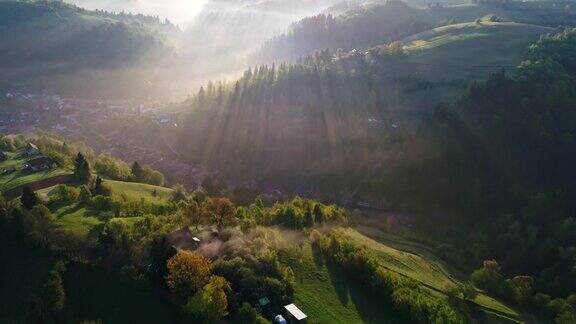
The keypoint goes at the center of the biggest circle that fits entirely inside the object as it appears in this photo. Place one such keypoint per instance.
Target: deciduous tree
(187, 272)
(211, 301)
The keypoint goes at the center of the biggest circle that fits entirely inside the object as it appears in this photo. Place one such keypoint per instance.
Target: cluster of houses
(39, 162)
(183, 239)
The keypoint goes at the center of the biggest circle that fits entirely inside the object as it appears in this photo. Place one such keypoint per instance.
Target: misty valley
(288, 161)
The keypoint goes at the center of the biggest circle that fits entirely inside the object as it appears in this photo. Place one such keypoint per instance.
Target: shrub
(112, 168)
(64, 193)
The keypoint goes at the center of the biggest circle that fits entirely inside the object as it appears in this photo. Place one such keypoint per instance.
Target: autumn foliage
(187, 272)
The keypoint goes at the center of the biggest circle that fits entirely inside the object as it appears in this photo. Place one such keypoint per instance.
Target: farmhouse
(183, 239)
(31, 150)
(38, 164)
(295, 315)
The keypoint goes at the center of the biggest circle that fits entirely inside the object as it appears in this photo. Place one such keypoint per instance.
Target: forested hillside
(510, 143)
(499, 160)
(314, 117)
(55, 33)
(359, 27)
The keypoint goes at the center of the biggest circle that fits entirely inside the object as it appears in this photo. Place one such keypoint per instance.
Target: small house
(3, 156)
(38, 164)
(264, 307)
(183, 239)
(262, 304)
(295, 315)
(31, 150)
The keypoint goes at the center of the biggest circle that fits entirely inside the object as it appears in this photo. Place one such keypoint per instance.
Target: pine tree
(318, 214)
(137, 171)
(82, 168)
(29, 198)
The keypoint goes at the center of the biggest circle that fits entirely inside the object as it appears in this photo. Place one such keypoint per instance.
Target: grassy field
(419, 263)
(13, 160)
(83, 221)
(469, 50)
(20, 177)
(326, 295)
(78, 220)
(138, 191)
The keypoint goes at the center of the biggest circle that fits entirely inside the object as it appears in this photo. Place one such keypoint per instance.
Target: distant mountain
(226, 31)
(50, 32)
(179, 12)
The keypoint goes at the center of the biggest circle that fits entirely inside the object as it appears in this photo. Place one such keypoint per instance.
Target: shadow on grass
(96, 294)
(94, 233)
(70, 209)
(318, 258)
(371, 307)
(339, 282)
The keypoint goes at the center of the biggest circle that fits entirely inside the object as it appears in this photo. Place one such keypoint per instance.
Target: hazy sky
(178, 11)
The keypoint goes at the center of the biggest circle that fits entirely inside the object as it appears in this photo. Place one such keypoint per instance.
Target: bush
(112, 168)
(488, 277)
(42, 213)
(64, 193)
(101, 203)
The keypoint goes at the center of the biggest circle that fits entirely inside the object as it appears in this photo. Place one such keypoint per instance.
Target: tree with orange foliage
(187, 273)
(219, 211)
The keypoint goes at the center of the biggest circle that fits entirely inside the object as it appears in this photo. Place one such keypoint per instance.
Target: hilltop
(96, 226)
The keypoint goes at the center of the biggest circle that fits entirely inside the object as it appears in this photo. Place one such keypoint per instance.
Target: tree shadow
(373, 307)
(70, 210)
(318, 257)
(94, 233)
(339, 281)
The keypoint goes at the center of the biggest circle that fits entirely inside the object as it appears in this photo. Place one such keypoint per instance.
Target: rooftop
(32, 146)
(296, 312)
(183, 239)
(264, 301)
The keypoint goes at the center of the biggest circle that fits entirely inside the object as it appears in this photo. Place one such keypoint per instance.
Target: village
(94, 123)
(133, 131)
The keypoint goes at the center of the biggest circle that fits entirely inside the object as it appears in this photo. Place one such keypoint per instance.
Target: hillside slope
(463, 51)
(56, 47)
(361, 27)
(54, 32)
